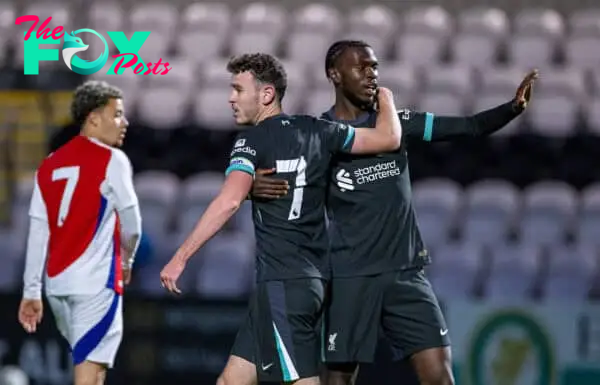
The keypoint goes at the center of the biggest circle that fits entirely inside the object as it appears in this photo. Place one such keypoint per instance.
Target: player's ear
(334, 75)
(94, 118)
(268, 94)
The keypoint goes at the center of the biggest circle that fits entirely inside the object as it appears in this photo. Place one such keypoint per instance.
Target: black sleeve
(428, 127)
(338, 137)
(244, 155)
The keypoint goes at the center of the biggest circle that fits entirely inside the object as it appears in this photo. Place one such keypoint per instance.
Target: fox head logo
(73, 44)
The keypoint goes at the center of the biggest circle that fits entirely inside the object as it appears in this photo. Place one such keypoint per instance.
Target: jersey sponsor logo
(383, 170)
(246, 150)
(343, 180)
(240, 143)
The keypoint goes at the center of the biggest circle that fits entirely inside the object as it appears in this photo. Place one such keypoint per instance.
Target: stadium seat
(319, 101)
(501, 78)
(553, 114)
(437, 203)
(227, 268)
(157, 193)
(570, 273)
(583, 51)
(588, 224)
(59, 11)
(402, 79)
(157, 46)
(212, 110)
(158, 17)
(490, 212)
(569, 81)
(7, 27)
(260, 28)
(582, 47)
(585, 22)
(181, 76)
(441, 103)
(481, 30)
(203, 25)
(513, 272)
(293, 100)
(104, 17)
(162, 107)
(534, 42)
(128, 82)
(314, 27)
(456, 79)
(548, 212)
(374, 24)
(454, 270)
(426, 30)
(196, 194)
(242, 220)
(488, 21)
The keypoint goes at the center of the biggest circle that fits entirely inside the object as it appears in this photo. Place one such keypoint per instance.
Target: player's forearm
(387, 134)
(214, 218)
(131, 233)
(35, 260)
(481, 124)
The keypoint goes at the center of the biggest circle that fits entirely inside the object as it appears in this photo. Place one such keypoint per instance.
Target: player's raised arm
(120, 178)
(30, 310)
(431, 128)
(387, 134)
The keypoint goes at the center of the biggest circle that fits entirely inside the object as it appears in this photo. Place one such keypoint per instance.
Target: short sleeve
(243, 156)
(338, 136)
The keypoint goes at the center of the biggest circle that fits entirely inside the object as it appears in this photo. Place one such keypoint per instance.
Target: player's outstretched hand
(170, 274)
(268, 188)
(525, 89)
(30, 314)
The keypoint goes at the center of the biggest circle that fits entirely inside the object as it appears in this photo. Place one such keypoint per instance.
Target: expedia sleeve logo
(243, 150)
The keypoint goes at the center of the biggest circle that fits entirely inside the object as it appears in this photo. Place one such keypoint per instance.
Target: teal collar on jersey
(330, 115)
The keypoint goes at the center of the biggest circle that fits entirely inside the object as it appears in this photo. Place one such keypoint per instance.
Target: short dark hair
(338, 48)
(264, 67)
(90, 96)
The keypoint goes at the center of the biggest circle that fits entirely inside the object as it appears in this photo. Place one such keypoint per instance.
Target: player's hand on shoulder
(525, 89)
(265, 187)
(170, 274)
(30, 314)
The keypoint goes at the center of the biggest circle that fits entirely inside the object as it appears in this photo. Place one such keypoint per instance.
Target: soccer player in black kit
(280, 339)
(377, 252)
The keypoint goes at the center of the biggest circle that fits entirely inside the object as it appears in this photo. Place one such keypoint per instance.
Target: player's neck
(344, 109)
(268, 112)
(89, 133)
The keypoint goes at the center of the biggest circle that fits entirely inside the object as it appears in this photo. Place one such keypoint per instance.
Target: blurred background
(512, 221)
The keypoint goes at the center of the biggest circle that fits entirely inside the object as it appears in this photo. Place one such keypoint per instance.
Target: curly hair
(90, 96)
(338, 48)
(265, 68)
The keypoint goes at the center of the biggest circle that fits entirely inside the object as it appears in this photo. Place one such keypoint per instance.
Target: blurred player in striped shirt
(84, 231)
